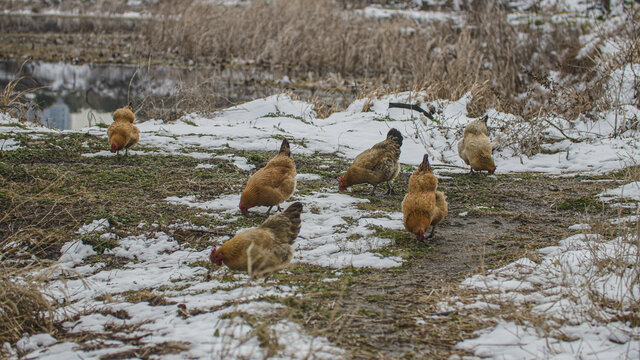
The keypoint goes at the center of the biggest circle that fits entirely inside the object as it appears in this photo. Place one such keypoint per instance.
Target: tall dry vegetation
(503, 64)
(13, 97)
(306, 36)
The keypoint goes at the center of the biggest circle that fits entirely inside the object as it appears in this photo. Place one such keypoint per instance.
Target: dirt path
(394, 314)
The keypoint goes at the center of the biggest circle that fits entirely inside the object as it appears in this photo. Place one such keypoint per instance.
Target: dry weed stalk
(24, 309)
(13, 99)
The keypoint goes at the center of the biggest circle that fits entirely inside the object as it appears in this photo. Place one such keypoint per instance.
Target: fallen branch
(448, 166)
(413, 107)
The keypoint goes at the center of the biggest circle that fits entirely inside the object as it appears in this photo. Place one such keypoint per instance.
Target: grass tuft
(24, 310)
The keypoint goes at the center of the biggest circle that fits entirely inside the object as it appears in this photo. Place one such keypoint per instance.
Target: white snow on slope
(564, 291)
(255, 125)
(629, 191)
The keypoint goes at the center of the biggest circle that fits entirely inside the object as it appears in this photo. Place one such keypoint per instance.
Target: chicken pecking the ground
(423, 206)
(376, 165)
(475, 147)
(272, 184)
(265, 249)
(122, 133)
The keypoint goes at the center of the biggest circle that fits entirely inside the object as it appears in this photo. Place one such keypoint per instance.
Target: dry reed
(23, 310)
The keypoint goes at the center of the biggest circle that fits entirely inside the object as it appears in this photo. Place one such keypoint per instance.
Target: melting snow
(336, 232)
(239, 161)
(563, 289)
(629, 191)
(95, 226)
(9, 144)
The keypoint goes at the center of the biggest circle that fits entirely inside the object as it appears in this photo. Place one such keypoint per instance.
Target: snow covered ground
(559, 299)
(195, 313)
(255, 125)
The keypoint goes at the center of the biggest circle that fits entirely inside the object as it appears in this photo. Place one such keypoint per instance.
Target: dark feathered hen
(264, 249)
(376, 165)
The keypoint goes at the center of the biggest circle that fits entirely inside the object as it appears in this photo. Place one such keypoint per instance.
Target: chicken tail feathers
(285, 148)
(396, 136)
(424, 165)
(286, 225)
(294, 210)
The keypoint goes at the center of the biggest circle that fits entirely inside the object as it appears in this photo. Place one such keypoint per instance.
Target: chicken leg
(390, 191)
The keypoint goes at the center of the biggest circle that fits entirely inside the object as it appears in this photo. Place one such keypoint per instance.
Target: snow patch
(95, 226)
(9, 144)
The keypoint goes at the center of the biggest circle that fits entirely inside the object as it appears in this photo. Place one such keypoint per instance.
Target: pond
(74, 96)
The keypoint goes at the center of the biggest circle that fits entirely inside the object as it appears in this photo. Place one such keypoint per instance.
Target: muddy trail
(394, 314)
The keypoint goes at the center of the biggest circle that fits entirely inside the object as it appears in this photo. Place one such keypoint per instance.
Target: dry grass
(505, 66)
(24, 309)
(318, 37)
(13, 98)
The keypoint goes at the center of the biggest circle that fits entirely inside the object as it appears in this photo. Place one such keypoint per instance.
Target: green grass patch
(100, 245)
(582, 204)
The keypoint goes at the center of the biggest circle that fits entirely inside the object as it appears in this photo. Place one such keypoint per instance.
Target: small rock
(554, 187)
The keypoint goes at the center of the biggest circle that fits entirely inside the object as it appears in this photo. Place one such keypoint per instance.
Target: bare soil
(377, 313)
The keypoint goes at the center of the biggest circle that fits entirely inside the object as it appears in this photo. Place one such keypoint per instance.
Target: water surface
(75, 96)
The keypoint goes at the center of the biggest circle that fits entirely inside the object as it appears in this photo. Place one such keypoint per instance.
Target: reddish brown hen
(271, 185)
(423, 206)
(122, 133)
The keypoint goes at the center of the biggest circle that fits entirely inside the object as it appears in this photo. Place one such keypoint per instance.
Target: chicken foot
(432, 234)
(279, 209)
(390, 191)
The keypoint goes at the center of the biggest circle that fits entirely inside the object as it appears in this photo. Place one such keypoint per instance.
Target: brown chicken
(264, 249)
(475, 147)
(272, 184)
(423, 206)
(376, 165)
(122, 133)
